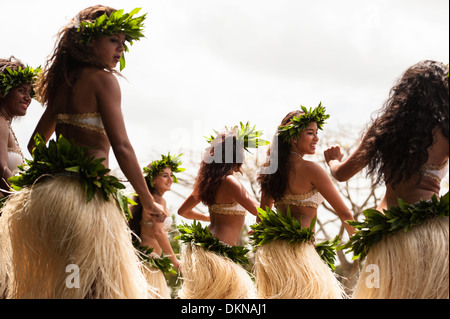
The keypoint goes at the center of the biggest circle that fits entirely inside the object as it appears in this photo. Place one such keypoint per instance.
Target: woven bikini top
(228, 209)
(90, 121)
(311, 199)
(435, 172)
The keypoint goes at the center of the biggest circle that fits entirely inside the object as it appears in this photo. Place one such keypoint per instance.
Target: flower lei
(248, 136)
(279, 226)
(10, 79)
(157, 166)
(64, 156)
(195, 234)
(405, 216)
(299, 123)
(117, 22)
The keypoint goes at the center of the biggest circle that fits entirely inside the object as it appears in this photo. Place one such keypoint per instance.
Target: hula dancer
(153, 239)
(67, 218)
(211, 257)
(406, 147)
(16, 92)
(286, 266)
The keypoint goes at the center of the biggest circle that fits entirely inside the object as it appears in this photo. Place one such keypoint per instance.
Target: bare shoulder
(231, 181)
(312, 171)
(312, 167)
(3, 124)
(98, 77)
(4, 129)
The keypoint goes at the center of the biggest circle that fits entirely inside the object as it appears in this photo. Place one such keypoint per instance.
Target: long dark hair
(70, 55)
(396, 143)
(274, 183)
(218, 162)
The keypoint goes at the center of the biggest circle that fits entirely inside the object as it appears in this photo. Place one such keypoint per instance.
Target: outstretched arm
(109, 103)
(325, 186)
(343, 170)
(163, 241)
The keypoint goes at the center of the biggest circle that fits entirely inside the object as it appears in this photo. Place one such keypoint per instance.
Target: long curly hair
(70, 55)
(396, 143)
(274, 183)
(218, 162)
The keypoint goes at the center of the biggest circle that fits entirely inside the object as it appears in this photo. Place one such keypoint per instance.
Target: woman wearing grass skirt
(69, 235)
(405, 241)
(211, 257)
(16, 93)
(289, 266)
(153, 238)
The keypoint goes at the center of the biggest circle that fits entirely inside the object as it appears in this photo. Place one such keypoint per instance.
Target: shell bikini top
(228, 209)
(311, 199)
(90, 121)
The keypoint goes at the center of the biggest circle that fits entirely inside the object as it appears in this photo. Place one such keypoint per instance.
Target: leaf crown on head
(301, 122)
(12, 78)
(117, 22)
(248, 136)
(157, 167)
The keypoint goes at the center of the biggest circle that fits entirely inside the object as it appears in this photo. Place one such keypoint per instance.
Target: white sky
(205, 64)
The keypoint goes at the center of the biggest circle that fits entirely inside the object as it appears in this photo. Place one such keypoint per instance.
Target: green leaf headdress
(12, 78)
(117, 22)
(248, 136)
(156, 168)
(299, 123)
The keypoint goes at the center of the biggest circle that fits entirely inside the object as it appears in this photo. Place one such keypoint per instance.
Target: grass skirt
(408, 265)
(4, 258)
(294, 271)
(64, 247)
(207, 275)
(157, 280)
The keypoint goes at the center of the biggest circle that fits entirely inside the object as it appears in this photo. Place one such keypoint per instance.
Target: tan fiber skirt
(408, 265)
(294, 271)
(207, 275)
(65, 247)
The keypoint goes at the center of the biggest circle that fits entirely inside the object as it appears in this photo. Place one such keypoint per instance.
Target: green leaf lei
(10, 79)
(248, 136)
(163, 262)
(157, 166)
(279, 226)
(65, 156)
(195, 234)
(376, 224)
(118, 22)
(299, 123)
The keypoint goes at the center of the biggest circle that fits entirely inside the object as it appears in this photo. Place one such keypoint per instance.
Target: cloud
(205, 64)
